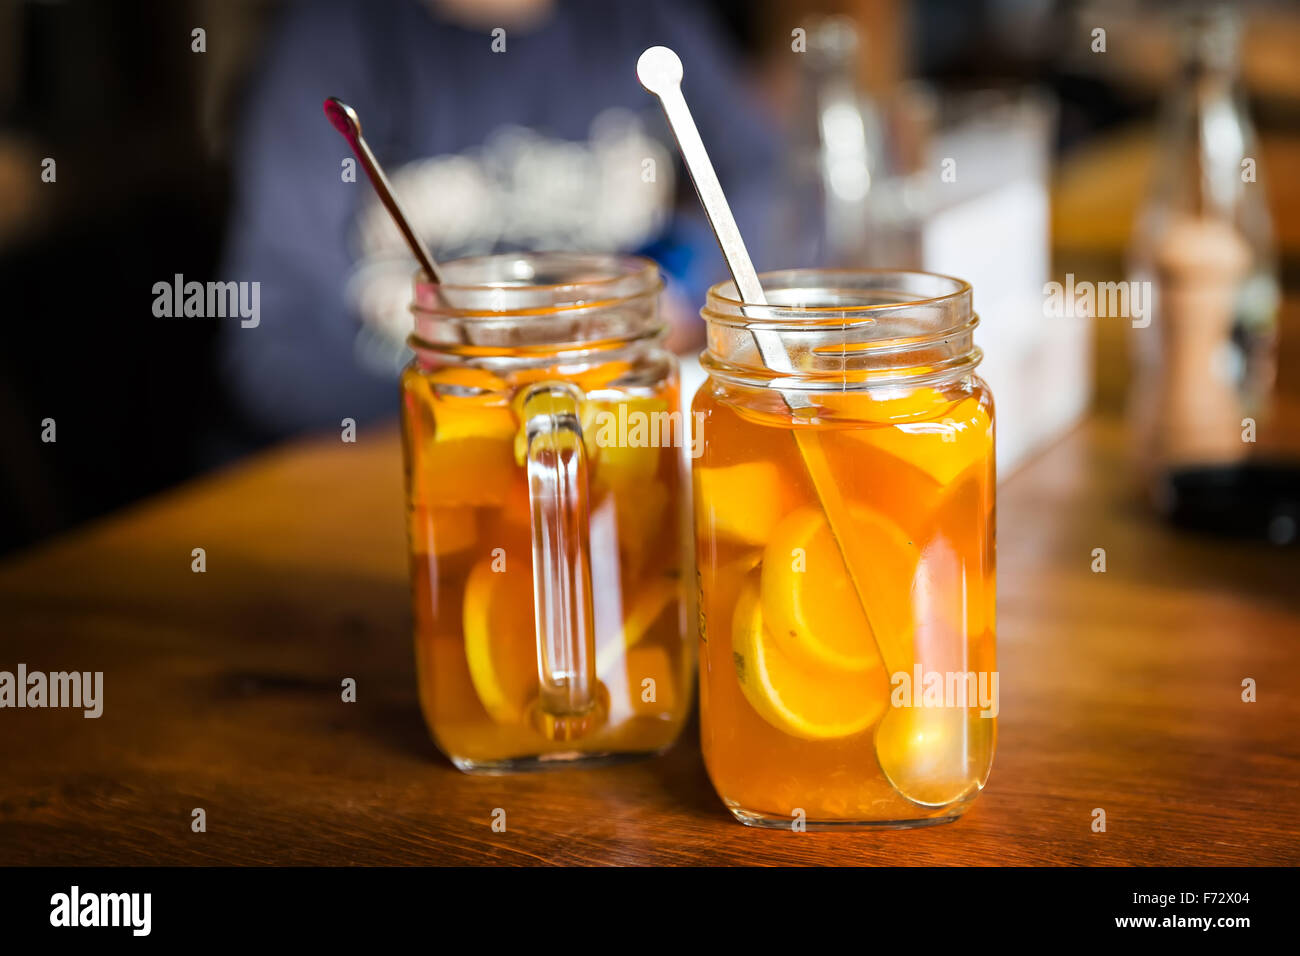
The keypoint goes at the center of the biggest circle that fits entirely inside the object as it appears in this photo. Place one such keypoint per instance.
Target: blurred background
(1012, 142)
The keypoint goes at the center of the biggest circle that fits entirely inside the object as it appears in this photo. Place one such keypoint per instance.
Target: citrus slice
(500, 639)
(807, 702)
(602, 375)
(462, 448)
(625, 436)
(810, 600)
(896, 405)
(741, 502)
(943, 446)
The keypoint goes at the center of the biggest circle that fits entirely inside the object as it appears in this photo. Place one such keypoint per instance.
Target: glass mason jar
(844, 510)
(543, 480)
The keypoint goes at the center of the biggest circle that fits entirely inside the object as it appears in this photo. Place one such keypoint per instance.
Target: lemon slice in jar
(808, 702)
(500, 639)
(809, 600)
(501, 644)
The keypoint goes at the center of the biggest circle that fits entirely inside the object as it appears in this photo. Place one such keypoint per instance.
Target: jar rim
(537, 303)
(723, 294)
(868, 328)
(616, 267)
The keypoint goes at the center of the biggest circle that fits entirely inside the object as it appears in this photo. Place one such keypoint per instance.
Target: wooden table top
(1120, 690)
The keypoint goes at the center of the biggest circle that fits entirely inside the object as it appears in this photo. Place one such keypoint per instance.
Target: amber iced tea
(468, 421)
(842, 543)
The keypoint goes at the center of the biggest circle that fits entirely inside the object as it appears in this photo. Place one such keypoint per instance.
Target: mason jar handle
(568, 702)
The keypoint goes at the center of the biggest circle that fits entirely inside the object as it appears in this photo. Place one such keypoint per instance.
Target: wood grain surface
(1120, 690)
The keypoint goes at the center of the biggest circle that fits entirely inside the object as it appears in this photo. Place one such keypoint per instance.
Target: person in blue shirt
(503, 124)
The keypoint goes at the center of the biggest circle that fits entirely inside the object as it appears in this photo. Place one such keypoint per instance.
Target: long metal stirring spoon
(348, 123)
(660, 71)
(910, 772)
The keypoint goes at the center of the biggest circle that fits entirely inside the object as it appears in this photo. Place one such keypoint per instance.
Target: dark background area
(140, 127)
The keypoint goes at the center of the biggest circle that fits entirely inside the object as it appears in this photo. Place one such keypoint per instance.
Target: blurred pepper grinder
(1205, 364)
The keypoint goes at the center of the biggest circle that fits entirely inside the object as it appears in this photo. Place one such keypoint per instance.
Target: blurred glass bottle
(835, 149)
(1204, 365)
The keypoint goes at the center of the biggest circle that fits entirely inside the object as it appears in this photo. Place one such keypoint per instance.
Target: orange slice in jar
(811, 603)
(463, 447)
(470, 462)
(942, 446)
(500, 638)
(877, 405)
(812, 703)
(602, 375)
(625, 436)
(742, 502)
